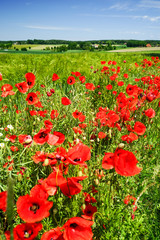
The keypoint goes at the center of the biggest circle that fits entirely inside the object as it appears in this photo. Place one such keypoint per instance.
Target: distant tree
(23, 49)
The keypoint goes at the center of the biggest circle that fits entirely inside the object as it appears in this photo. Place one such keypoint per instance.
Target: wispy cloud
(152, 19)
(59, 28)
(120, 6)
(149, 4)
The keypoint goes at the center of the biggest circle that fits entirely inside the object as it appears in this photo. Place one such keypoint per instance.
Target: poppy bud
(80, 173)
(96, 181)
(19, 177)
(121, 145)
(46, 162)
(55, 210)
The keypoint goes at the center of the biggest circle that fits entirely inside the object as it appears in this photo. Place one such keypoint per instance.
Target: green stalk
(10, 197)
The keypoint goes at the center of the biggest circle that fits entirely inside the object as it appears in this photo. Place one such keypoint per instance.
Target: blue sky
(79, 19)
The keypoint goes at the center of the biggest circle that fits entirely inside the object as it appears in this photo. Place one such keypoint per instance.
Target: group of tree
(93, 45)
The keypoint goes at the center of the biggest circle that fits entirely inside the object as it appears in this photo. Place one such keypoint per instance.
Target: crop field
(79, 146)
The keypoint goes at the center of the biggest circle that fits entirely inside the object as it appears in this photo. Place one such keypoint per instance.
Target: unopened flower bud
(46, 162)
(121, 145)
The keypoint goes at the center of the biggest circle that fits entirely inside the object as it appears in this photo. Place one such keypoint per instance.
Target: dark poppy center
(43, 135)
(31, 98)
(77, 160)
(89, 212)
(70, 81)
(34, 208)
(73, 225)
(29, 83)
(27, 234)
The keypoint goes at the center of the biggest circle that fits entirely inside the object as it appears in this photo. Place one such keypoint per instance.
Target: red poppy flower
(3, 201)
(55, 234)
(39, 191)
(78, 228)
(82, 79)
(52, 139)
(139, 128)
(65, 101)
(108, 161)
(89, 211)
(77, 130)
(89, 199)
(48, 124)
(125, 163)
(125, 75)
(128, 199)
(102, 135)
(30, 78)
(42, 136)
(103, 62)
(76, 114)
(120, 83)
(61, 138)
(1, 77)
(150, 113)
(14, 148)
(82, 118)
(27, 231)
(7, 90)
(33, 209)
(54, 114)
(90, 86)
(71, 186)
(26, 140)
(32, 98)
(39, 157)
(71, 80)
(54, 180)
(79, 154)
(132, 90)
(55, 77)
(33, 112)
(129, 138)
(109, 87)
(11, 138)
(22, 87)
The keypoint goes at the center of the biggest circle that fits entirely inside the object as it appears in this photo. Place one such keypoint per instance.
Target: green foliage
(114, 219)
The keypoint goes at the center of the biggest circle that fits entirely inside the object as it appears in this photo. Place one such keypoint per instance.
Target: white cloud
(149, 4)
(120, 6)
(59, 28)
(152, 19)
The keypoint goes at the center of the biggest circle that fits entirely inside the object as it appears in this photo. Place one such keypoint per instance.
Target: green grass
(113, 218)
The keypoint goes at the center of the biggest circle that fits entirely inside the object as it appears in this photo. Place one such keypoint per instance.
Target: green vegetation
(134, 77)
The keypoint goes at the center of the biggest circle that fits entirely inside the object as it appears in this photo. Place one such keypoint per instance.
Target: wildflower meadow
(79, 146)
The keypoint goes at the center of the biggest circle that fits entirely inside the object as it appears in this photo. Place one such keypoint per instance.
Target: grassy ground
(113, 219)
